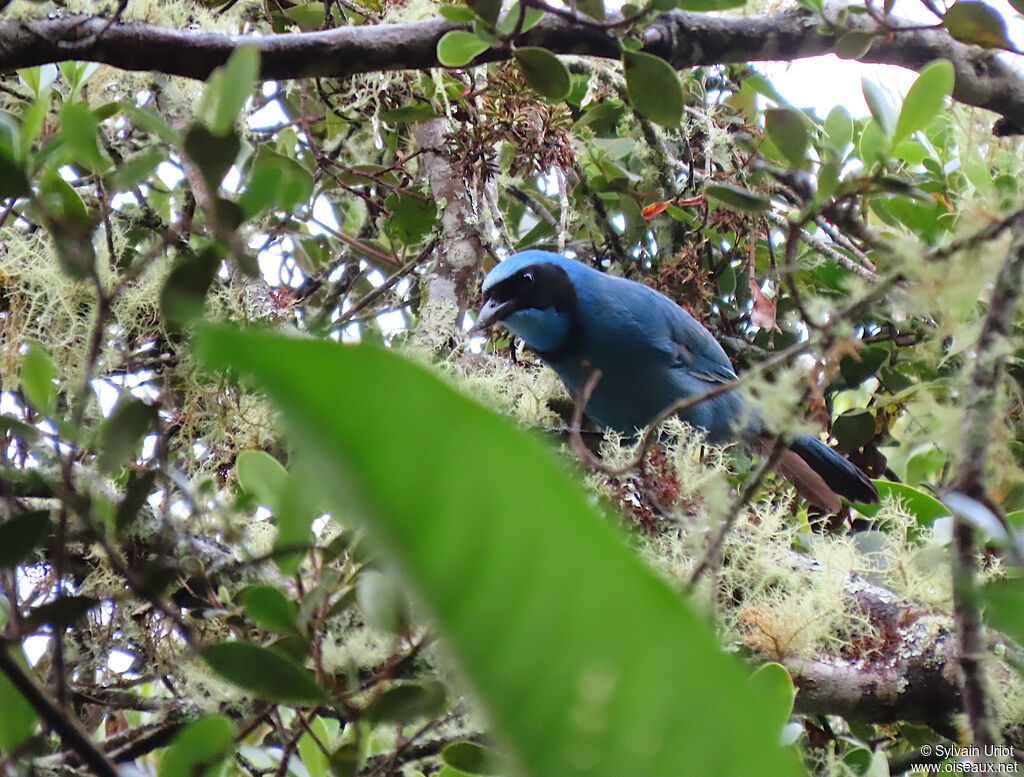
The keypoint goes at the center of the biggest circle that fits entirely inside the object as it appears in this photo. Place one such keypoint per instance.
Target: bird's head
(532, 294)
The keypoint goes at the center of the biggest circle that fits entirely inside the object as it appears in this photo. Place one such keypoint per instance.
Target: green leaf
(880, 105)
(854, 429)
(592, 8)
(37, 376)
(459, 14)
(60, 613)
(459, 540)
(276, 179)
(412, 218)
(270, 608)
(854, 44)
(136, 170)
(406, 702)
(261, 475)
(263, 673)
(856, 370)
(183, 297)
(926, 507)
(838, 128)
(1004, 602)
(69, 223)
(78, 128)
(487, 10)
(213, 154)
(308, 16)
(544, 72)
(409, 114)
(772, 682)
(17, 716)
(710, 5)
(459, 47)
(653, 87)
(873, 145)
(13, 178)
(471, 758)
(788, 130)
(122, 433)
(925, 99)
(229, 87)
(136, 493)
(313, 757)
(971, 21)
(737, 197)
(200, 748)
(20, 535)
(531, 18)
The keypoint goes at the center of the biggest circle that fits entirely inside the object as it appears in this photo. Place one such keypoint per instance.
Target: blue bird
(651, 353)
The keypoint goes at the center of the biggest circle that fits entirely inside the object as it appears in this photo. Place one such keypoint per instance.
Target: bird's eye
(528, 277)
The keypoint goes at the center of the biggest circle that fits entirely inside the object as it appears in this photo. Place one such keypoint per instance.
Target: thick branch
(685, 39)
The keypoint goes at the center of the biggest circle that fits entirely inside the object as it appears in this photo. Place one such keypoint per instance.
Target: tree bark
(685, 39)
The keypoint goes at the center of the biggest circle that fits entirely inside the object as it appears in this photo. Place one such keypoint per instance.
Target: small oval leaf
(737, 197)
(653, 87)
(971, 21)
(37, 375)
(406, 702)
(263, 673)
(270, 608)
(788, 130)
(459, 47)
(925, 98)
(261, 475)
(199, 749)
(880, 105)
(544, 72)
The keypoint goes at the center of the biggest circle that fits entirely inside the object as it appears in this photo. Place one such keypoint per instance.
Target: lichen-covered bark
(459, 251)
(685, 39)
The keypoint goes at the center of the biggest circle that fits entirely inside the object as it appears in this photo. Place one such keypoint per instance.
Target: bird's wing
(631, 315)
(696, 350)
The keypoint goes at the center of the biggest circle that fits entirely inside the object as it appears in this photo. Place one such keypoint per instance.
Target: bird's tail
(841, 476)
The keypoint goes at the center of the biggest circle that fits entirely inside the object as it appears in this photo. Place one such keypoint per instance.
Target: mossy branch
(685, 39)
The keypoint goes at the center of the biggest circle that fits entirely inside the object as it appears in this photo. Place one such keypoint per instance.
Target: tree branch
(970, 480)
(685, 39)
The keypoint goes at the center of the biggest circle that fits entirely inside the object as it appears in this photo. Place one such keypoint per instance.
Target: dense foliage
(230, 544)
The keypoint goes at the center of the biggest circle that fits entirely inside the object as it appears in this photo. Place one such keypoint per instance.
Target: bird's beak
(491, 313)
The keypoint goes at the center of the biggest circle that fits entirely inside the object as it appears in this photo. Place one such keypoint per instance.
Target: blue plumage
(650, 351)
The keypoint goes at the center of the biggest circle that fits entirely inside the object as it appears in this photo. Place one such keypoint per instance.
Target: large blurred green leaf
(586, 661)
